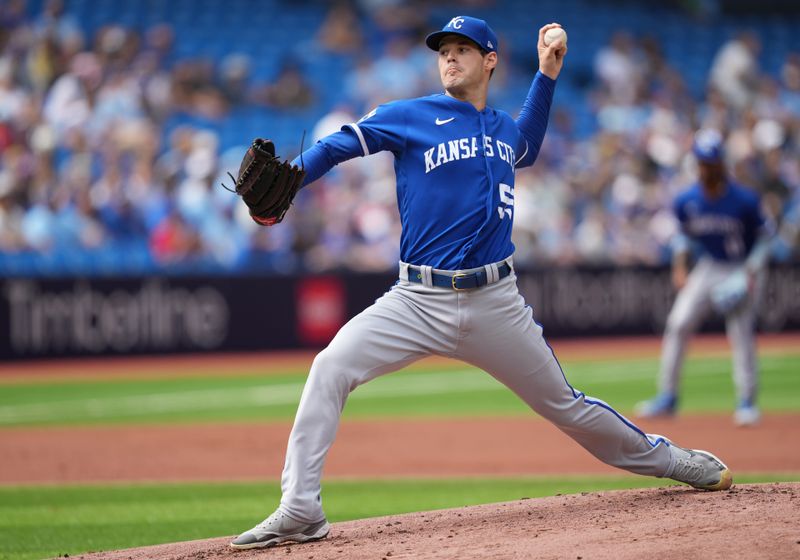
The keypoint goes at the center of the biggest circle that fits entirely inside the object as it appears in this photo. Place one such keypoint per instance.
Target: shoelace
(267, 521)
(688, 470)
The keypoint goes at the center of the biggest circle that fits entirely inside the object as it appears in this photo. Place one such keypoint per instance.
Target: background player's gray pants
(691, 306)
(491, 328)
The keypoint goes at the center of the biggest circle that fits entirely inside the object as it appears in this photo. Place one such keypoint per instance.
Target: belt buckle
(453, 281)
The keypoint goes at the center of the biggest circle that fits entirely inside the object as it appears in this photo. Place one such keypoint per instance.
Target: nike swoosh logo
(439, 122)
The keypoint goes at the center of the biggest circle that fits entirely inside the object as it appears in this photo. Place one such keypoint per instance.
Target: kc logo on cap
(455, 23)
(708, 145)
(474, 29)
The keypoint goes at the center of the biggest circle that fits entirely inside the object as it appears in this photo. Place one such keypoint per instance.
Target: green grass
(416, 392)
(43, 522)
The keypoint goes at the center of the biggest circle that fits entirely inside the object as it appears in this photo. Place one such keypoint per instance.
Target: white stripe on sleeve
(360, 135)
(525, 153)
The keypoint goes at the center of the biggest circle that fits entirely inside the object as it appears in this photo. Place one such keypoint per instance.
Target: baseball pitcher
(456, 295)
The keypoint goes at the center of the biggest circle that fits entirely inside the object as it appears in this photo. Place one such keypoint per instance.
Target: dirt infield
(374, 448)
(757, 521)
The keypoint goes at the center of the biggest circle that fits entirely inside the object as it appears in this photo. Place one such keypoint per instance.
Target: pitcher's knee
(330, 372)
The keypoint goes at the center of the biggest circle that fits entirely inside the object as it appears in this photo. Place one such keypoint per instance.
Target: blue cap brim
(708, 156)
(434, 39)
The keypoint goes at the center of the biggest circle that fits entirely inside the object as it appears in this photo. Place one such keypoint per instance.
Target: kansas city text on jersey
(713, 224)
(466, 148)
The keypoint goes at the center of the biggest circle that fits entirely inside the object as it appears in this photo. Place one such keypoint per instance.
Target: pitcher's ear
(490, 61)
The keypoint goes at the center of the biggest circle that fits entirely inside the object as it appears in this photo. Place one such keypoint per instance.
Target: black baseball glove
(266, 184)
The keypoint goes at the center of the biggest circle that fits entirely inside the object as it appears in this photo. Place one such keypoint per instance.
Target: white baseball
(555, 33)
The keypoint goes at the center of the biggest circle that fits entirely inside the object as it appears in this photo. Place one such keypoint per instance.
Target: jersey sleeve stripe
(360, 135)
(525, 153)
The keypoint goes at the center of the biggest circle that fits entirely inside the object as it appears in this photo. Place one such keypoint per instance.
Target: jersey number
(734, 246)
(506, 199)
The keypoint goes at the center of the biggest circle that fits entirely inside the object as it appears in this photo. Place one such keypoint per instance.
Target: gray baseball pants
(490, 328)
(691, 306)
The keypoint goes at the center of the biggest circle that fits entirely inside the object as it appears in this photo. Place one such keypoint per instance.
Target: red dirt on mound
(757, 521)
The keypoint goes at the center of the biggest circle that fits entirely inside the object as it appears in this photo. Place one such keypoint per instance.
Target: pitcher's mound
(749, 521)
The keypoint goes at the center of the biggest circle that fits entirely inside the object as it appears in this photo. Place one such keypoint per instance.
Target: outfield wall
(126, 316)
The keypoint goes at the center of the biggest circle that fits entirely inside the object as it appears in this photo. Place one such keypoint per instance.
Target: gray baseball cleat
(662, 404)
(699, 469)
(746, 415)
(279, 528)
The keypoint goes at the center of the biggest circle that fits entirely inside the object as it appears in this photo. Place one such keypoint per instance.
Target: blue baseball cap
(472, 28)
(707, 147)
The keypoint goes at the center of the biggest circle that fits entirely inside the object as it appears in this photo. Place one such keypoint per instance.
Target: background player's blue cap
(472, 28)
(707, 147)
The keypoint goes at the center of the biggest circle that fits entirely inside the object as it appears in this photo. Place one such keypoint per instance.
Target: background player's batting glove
(731, 293)
(266, 184)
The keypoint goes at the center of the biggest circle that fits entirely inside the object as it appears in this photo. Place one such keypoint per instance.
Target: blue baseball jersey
(455, 177)
(455, 170)
(725, 228)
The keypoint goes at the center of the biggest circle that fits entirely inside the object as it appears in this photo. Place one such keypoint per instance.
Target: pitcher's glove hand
(266, 184)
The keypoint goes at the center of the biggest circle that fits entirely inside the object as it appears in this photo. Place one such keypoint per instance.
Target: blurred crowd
(89, 174)
(607, 198)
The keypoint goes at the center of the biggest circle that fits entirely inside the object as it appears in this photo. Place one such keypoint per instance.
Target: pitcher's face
(462, 65)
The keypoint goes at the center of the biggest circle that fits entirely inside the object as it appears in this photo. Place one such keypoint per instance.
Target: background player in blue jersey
(457, 294)
(722, 221)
